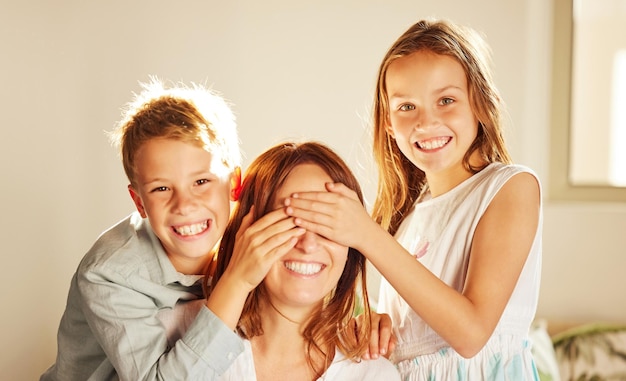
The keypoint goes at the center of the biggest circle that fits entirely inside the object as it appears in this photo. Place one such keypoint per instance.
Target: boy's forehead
(160, 156)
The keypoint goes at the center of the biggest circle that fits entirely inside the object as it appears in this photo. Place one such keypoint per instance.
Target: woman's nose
(308, 242)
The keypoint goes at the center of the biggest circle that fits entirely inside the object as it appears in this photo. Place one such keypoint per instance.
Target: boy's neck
(191, 266)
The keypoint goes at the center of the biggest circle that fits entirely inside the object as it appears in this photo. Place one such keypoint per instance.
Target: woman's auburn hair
(329, 327)
(400, 181)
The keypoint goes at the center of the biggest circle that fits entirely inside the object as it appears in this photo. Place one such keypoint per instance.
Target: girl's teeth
(434, 143)
(304, 268)
(191, 229)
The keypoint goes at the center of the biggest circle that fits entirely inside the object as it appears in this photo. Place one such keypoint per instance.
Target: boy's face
(187, 203)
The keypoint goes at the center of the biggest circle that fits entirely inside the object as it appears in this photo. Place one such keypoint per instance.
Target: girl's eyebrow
(436, 91)
(448, 87)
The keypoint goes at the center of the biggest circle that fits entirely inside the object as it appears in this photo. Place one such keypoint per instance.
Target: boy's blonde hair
(190, 114)
(401, 182)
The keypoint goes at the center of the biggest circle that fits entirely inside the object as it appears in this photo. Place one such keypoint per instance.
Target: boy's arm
(124, 319)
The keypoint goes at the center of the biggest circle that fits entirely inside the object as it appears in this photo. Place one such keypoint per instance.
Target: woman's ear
(235, 184)
(137, 201)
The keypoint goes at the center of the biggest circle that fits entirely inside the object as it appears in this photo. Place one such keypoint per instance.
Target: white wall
(300, 70)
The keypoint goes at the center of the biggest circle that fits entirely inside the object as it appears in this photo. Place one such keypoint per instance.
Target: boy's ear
(235, 184)
(137, 200)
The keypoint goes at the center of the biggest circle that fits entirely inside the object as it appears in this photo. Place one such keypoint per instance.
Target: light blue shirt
(112, 327)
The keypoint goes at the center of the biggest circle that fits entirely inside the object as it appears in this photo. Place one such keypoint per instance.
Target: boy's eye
(407, 107)
(159, 189)
(202, 181)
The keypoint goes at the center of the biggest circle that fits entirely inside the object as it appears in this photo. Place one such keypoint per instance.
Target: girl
(298, 321)
(462, 276)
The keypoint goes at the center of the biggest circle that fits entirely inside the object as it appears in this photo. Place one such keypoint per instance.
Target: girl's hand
(259, 245)
(337, 214)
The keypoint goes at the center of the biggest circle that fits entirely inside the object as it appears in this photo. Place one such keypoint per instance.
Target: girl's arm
(501, 244)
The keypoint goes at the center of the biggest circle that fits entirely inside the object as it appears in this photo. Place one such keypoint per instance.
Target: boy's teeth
(304, 268)
(433, 143)
(191, 229)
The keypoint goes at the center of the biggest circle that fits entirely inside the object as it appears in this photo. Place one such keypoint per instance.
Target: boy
(143, 276)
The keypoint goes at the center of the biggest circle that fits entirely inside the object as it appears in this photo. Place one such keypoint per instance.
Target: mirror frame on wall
(560, 187)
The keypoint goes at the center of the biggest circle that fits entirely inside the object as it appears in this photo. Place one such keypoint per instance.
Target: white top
(439, 232)
(341, 369)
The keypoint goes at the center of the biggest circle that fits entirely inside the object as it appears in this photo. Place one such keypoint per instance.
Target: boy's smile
(188, 230)
(186, 202)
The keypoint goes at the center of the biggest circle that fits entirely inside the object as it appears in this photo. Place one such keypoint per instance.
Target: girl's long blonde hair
(400, 181)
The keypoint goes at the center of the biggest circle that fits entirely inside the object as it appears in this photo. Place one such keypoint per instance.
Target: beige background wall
(300, 70)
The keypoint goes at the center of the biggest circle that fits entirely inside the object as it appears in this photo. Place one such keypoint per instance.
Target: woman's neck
(281, 352)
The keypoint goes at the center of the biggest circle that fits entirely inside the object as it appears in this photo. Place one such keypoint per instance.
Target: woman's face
(305, 275)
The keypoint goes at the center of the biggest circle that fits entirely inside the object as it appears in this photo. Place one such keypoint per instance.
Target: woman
(298, 322)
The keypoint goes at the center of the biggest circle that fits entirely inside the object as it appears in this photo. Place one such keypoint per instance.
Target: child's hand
(259, 245)
(382, 340)
(337, 214)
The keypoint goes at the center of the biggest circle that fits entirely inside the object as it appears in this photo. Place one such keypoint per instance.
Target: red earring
(235, 184)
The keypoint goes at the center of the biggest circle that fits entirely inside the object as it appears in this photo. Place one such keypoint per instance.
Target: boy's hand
(337, 214)
(259, 245)
(382, 340)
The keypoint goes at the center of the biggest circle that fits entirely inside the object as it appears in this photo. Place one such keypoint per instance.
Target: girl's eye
(447, 101)
(407, 107)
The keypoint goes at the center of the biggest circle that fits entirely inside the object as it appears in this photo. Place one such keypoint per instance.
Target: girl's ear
(235, 184)
(137, 201)
(388, 127)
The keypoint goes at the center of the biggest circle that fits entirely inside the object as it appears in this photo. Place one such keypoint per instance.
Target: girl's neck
(442, 182)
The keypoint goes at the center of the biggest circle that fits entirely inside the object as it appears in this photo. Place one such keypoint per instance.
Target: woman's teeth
(191, 229)
(304, 268)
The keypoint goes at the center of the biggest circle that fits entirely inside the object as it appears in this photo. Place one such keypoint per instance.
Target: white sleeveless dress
(439, 233)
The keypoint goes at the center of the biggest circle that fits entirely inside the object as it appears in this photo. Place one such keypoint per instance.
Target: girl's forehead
(424, 73)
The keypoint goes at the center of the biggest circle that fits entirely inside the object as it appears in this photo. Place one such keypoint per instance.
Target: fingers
(374, 349)
(385, 335)
(381, 341)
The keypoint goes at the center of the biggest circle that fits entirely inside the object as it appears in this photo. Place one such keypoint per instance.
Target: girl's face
(303, 277)
(430, 116)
